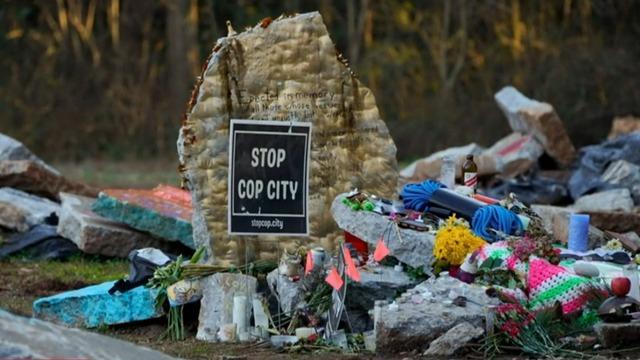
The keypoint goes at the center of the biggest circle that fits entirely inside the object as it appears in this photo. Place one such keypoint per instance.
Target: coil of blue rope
(417, 196)
(495, 217)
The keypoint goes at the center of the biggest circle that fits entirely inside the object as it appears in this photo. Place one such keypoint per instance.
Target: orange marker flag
(308, 266)
(381, 251)
(351, 270)
(334, 279)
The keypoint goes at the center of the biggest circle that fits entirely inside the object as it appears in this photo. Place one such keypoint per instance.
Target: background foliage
(109, 79)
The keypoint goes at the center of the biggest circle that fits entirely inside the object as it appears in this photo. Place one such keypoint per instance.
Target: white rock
(610, 200)
(216, 306)
(454, 339)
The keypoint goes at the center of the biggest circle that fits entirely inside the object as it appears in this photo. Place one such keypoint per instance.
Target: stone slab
(617, 335)
(414, 325)
(454, 340)
(414, 248)
(286, 70)
(605, 201)
(288, 292)
(93, 306)
(623, 125)
(216, 306)
(28, 338)
(34, 178)
(20, 211)
(12, 149)
(625, 174)
(94, 234)
(539, 119)
(164, 211)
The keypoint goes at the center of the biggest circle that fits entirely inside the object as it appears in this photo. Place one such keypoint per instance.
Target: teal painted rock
(93, 306)
(164, 211)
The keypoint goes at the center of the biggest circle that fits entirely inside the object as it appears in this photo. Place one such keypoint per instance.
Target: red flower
(511, 328)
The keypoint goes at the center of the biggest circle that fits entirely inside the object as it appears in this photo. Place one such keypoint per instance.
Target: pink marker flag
(351, 270)
(381, 251)
(308, 266)
(334, 279)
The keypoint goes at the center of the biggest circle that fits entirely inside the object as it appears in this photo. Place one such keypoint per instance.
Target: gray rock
(20, 211)
(425, 312)
(383, 283)
(216, 306)
(618, 334)
(26, 338)
(414, 248)
(94, 234)
(454, 339)
(289, 293)
(12, 149)
(610, 200)
(625, 174)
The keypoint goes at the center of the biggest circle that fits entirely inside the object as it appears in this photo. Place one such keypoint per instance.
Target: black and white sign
(268, 177)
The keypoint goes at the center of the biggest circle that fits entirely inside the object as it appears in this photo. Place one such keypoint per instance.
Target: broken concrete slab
(425, 312)
(28, 338)
(515, 154)
(93, 306)
(94, 234)
(20, 211)
(539, 119)
(32, 177)
(12, 149)
(454, 340)
(605, 201)
(216, 306)
(414, 248)
(164, 211)
(617, 334)
(623, 125)
(288, 292)
(377, 283)
(286, 70)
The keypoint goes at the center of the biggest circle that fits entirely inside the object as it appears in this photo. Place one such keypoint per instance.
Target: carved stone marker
(286, 70)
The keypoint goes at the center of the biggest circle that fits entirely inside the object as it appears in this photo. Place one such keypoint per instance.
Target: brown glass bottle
(470, 173)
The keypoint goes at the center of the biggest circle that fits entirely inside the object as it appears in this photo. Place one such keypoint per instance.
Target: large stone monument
(287, 69)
